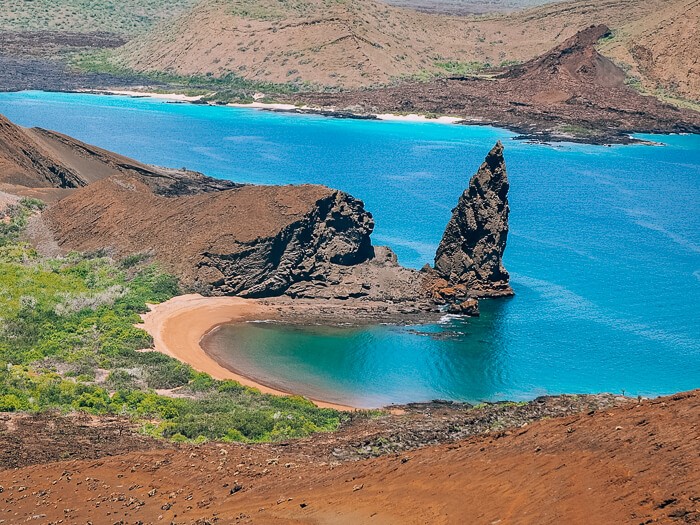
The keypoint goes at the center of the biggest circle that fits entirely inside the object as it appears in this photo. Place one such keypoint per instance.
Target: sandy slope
(637, 463)
(365, 42)
(663, 50)
(178, 325)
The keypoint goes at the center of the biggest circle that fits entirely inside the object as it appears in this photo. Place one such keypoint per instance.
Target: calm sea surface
(604, 249)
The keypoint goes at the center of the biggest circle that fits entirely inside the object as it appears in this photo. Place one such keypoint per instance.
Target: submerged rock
(468, 306)
(470, 256)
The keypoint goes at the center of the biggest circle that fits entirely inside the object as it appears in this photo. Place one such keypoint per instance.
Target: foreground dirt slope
(361, 43)
(636, 463)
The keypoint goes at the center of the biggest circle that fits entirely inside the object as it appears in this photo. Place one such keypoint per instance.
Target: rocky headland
(40, 163)
(300, 244)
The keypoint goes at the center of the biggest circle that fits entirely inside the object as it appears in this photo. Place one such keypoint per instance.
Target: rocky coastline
(570, 94)
(300, 243)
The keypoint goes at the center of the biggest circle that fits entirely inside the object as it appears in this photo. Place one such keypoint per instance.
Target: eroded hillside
(662, 51)
(365, 43)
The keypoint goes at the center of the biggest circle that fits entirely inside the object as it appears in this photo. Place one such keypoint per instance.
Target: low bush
(68, 342)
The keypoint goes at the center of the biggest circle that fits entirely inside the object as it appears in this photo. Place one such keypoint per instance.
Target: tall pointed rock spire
(471, 251)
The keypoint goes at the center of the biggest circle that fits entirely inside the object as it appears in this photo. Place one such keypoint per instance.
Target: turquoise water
(604, 249)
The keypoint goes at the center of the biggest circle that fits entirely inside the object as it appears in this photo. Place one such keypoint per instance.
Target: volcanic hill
(572, 92)
(43, 163)
(368, 43)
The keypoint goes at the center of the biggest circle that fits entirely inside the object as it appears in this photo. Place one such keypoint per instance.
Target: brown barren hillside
(636, 463)
(38, 162)
(324, 42)
(662, 50)
(570, 93)
(364, 42)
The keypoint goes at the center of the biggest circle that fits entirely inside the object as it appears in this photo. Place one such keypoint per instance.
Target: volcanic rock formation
(35, 158)
(576, 61)
(251, 241)
(469, 257)
(221, 238)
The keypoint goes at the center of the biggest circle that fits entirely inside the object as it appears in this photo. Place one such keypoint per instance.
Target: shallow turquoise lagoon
(604, 249)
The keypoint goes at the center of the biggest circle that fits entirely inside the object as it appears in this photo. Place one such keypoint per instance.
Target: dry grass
(362, 43)
(117, 16)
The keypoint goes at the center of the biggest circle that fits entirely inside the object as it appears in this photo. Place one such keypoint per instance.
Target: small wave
(554, 244)
(210, 153)
(247, 139)
(448, 318)
(577, 306)
(678, 239)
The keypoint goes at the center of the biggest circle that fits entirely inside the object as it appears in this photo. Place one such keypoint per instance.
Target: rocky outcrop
(469, 259)
(333, 232)
(40, 159)
(221, 238)
(379, 279)
(253, 241)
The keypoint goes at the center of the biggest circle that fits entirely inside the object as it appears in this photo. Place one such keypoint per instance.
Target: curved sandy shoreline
(178, 326)
(176, 97)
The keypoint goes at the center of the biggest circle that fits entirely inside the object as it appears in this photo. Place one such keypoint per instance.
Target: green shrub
(120, 380)
(11, 403)
(65, 321)
(169, 374)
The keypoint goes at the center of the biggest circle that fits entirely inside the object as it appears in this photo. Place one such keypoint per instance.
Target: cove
(604, 250)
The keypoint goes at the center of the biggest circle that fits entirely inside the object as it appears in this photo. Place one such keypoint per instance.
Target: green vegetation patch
(68, 342)
(576, 130)
(223, 89)
(454, 67)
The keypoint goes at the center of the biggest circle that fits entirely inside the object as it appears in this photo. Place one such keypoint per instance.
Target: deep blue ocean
(604, 248)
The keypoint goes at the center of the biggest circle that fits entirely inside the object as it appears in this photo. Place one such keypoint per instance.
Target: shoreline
(179, 325)
(174, 97)
(284, 108)
(522, 132)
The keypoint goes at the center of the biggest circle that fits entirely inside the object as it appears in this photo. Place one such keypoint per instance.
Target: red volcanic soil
(633, 463)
